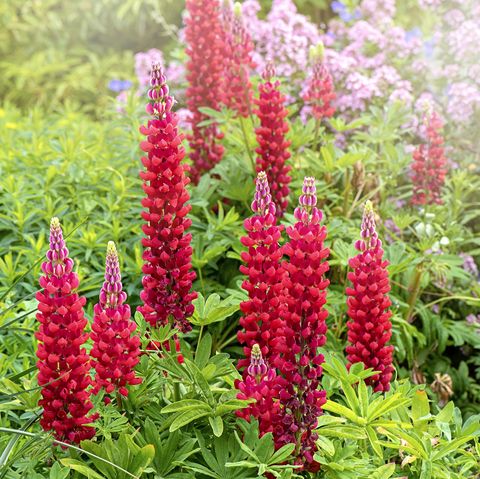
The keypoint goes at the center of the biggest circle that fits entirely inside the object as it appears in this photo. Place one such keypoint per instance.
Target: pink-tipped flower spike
(116, 347)
(260, 385)
(369, 328)
(205, 71)
(320, 91)
(63, 363)
(261, 267)
(429, 166)
(304, 328)
(273, 147)
(168, 275)
(237, 88)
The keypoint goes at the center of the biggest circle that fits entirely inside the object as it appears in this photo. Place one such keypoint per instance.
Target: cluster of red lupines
(220, 61)
(284, 318)
(320, 92)
(63, 362)
(429, 166)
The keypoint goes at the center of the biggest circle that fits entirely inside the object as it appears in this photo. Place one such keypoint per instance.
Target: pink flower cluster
(369, 330)
(429, 165)
(273, 146)
(63, 362)
(116, 347)
(168, 273)
(236, 86)
(284, 322)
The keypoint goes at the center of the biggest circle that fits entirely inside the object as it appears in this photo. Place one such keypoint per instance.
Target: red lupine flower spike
(237, 88)
(304, 328)
(429, 166)
(259, 384)
(116, 347)
(168, 274)
(273, 147)
(63, 363)
(263, 275)
(205, 69)
(320, 91)
(369, 328)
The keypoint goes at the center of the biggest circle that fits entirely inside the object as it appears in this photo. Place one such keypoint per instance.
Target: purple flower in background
(143, 64)
(469, 264)
(119, 85)
(428, 48)
(413, 34)
(283, 37)
(474, 320)
(392, 230)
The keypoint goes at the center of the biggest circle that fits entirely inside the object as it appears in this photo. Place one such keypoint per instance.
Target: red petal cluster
(320, 91)
(168, 273)
(63, 364)
(304, 328)
(204, 36)
(429, 165)
(237, 88)
(272, 145)
(284, 321)
(115, 346)
(370, 328)
(262, 267)
(259, 384)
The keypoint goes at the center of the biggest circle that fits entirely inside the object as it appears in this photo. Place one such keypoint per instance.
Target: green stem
(346, 191)
(199, 339)
(415, 291)
(247, 146)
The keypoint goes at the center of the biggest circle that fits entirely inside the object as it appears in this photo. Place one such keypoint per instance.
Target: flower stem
(247, 146)
(415, 291)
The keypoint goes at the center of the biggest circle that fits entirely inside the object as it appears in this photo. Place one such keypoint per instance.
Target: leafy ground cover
(79, 160)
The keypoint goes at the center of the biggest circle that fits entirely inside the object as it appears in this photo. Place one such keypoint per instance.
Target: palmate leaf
(213, 309)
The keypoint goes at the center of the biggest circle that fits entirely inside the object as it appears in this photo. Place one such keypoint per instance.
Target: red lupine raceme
(320, 92)
(237, 88)
(429, 166)
(263, 273)
(369, 328)
(205, 67)
(272, 146)
(63, 363)
(304, 329)
(116, 347)
(259, 384)
(167, 282)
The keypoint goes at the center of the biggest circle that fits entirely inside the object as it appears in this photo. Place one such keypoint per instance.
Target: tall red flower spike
(370, 328)
(259, 384)
(272, 146)
(320, 91)
(205, 40)
(260, 317)
(304, 314)
(116, 348)
(63, 363)
(237, 88)
(167, 282)
(429, 166)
